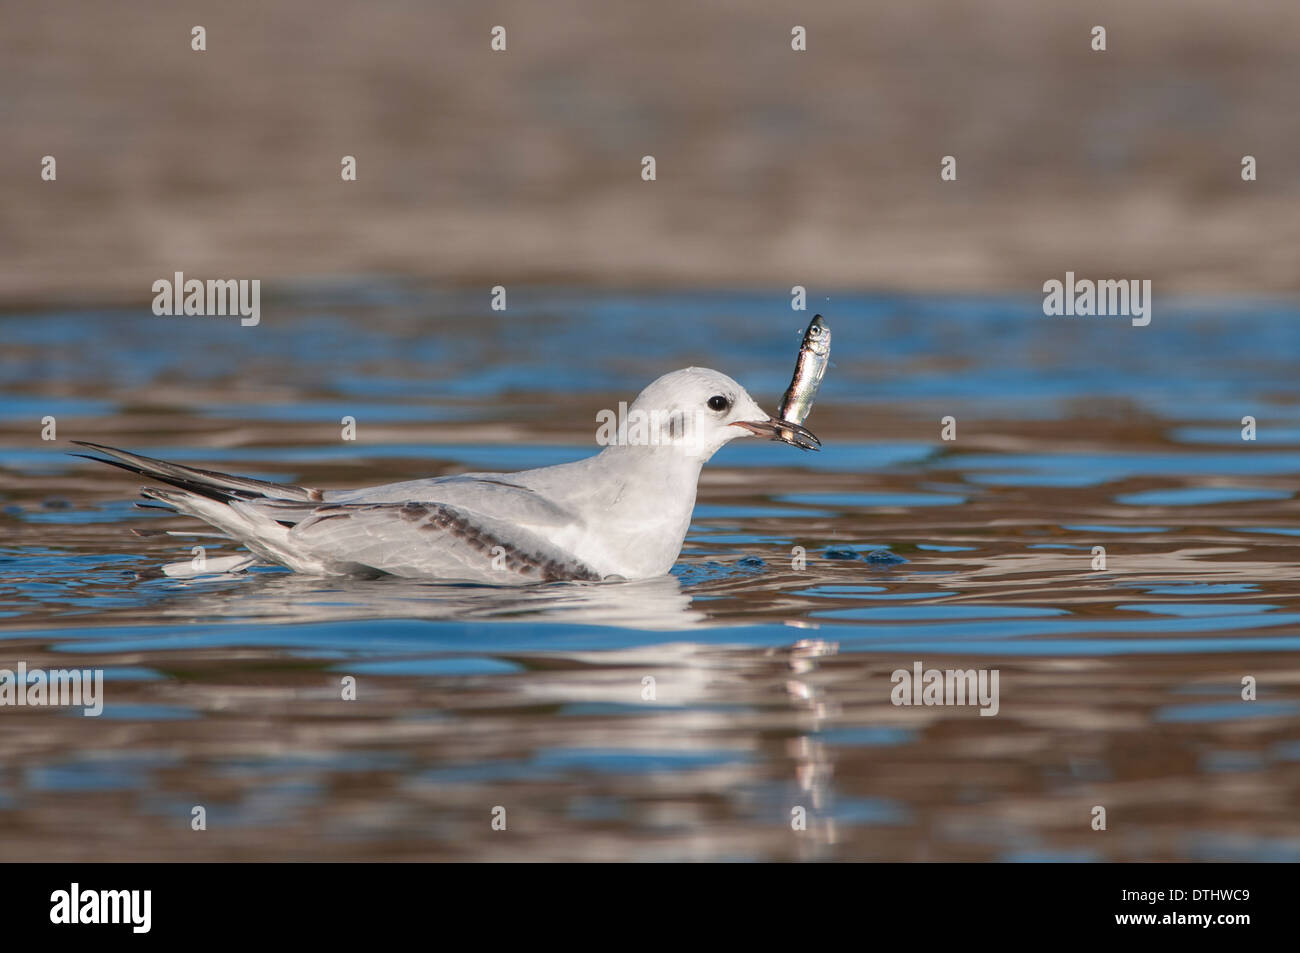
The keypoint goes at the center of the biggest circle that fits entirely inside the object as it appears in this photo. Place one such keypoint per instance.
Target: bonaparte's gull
(622, 513)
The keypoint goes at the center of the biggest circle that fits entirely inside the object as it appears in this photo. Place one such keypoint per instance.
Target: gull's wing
(209, 483)
(431, 528)
(501, 494)
(432, 539)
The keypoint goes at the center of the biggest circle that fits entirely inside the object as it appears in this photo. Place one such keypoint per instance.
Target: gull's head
(696, 410)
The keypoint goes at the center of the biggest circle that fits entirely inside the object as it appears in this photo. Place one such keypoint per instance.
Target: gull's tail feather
(154, 533)
(240, 519)
(210, 566)
(229, 503)
(222, 487)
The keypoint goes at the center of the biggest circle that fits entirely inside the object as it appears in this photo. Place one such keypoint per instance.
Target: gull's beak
(782, 430)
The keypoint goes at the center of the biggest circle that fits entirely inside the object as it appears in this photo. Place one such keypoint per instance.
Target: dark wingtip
(96, 447)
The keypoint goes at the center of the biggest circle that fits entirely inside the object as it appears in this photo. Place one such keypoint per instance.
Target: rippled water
(1119, 687)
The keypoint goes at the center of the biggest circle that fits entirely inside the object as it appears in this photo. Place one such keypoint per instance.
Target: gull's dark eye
(719, 403)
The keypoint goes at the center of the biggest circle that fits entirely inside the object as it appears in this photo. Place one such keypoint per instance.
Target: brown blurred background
(774, 167)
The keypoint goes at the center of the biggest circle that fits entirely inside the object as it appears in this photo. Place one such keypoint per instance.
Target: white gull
(622, 513)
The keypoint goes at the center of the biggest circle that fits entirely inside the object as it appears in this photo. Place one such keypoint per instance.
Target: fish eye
(719, 403)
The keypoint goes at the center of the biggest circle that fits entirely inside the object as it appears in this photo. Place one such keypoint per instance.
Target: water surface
(771, 646)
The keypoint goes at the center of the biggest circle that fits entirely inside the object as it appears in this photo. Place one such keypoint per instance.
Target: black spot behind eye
(719, 403)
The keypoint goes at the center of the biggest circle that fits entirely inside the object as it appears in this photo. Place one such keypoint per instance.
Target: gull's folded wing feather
(210, 483)
(500, 494)
(433, 539)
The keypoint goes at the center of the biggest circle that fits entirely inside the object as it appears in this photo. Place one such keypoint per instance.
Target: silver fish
(809, 369)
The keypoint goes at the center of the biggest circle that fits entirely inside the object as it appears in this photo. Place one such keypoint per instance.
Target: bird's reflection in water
(659, 604)
(703, 696)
